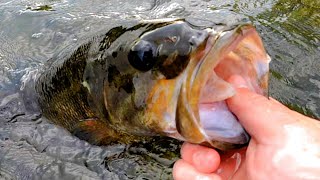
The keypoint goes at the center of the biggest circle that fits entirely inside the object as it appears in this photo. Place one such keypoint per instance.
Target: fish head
(179, 75)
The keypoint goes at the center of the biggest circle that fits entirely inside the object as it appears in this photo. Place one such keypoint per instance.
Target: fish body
(163, 78)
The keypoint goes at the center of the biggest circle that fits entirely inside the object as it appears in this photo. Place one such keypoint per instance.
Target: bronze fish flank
(154, 78)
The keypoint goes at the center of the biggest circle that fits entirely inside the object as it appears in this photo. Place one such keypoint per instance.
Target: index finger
(204, 159)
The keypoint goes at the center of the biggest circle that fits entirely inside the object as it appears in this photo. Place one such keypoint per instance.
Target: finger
(284, 108)
(183, 170)
(275, 101)
(204, 159)
(261, 117)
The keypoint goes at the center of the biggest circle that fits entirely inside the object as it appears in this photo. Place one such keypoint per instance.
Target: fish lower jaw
(216, 122)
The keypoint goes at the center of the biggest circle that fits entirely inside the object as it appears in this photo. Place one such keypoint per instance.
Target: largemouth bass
(165, 78)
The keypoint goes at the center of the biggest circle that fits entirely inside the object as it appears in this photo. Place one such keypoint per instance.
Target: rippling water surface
(32, 31)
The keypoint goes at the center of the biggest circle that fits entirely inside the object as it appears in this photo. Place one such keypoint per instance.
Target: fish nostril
(200, 34)
(193, 41)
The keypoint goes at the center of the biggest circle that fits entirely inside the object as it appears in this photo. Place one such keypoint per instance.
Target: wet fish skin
(71, 89)
(153, 79)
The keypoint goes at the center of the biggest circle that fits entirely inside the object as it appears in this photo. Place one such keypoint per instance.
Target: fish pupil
(142, 59)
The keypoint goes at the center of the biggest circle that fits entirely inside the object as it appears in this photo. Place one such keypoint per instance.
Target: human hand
(284, 144)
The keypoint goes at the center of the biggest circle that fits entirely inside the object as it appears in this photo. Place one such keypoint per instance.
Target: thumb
(262, 118)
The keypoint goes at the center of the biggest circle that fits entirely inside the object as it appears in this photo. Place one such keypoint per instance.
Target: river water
(32, 31)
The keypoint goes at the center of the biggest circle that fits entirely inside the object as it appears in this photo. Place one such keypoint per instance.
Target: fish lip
(213, 40)
(188, 101)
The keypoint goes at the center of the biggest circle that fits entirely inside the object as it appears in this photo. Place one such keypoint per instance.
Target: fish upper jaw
(202, 116)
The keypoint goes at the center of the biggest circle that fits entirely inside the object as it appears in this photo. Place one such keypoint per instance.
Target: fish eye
(142, 56)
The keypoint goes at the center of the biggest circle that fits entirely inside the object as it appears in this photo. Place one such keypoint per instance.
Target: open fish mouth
(202, 115)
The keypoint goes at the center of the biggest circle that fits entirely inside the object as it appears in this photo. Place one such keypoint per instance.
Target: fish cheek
(117, 91)
(161, 105)
(125, 95)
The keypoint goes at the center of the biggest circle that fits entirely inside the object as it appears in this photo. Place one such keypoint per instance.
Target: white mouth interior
(220, 124)
(217, 122)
